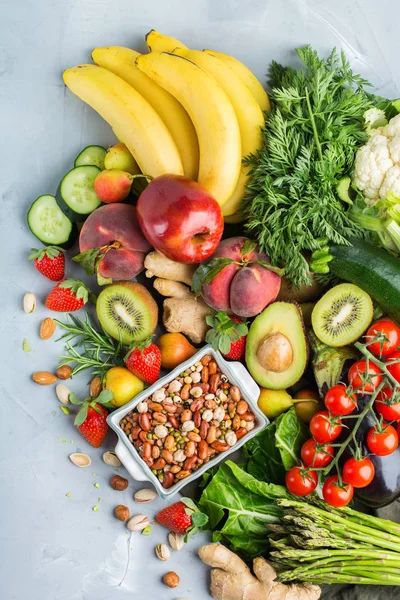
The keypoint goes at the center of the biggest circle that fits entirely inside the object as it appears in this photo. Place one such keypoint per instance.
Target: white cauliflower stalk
(377, 163)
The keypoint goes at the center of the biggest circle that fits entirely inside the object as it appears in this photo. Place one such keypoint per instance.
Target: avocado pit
(275, 352)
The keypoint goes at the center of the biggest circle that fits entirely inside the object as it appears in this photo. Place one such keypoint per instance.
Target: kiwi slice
(127, 311)
(342, 315)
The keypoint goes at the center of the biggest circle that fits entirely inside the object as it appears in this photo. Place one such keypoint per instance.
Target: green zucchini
(76, 196)
(374, 270)
(91, 155)
(49, 224)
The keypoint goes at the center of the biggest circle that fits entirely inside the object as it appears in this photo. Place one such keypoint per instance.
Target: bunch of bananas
(188, 112)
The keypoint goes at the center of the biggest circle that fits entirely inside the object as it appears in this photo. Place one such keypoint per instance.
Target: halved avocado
(276, 348)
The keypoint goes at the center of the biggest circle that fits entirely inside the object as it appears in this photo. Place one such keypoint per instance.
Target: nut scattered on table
(110, 458)
(176, 541)
(122, 512)
(95, 387)
(144, 495)
(29, 302)
(47, 328)
(137, 523)
(119, 483)
(64, 372)
(80, 460)
(162, 552)
(171, 579)
(44, 378)
(62, 393)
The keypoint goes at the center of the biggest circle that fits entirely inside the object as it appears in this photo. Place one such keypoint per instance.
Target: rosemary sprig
(88, 348)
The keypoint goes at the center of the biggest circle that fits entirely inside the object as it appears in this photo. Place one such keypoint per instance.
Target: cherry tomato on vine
(359, 473)
(337, 495)
(300, 481)
(339, 402)
(316, 456)
(394, 368)
(390, 412)
(358, 374)
(324, 427)
(390, 331)
(383, 440)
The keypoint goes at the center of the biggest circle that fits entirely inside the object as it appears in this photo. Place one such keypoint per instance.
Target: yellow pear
(123, 384)
(274, 402)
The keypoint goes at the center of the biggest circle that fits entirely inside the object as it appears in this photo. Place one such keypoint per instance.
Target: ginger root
(169, 288)
(231, 578)
(158, 265)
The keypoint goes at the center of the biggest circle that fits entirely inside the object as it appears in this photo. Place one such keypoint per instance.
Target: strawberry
(67, 296)
(182, 517)
(227, 334)
(91, 419)
(49, 261)
(144, 361)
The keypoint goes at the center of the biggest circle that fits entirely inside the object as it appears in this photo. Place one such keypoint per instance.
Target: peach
(245, 287)
(113, 185)
(115, 223)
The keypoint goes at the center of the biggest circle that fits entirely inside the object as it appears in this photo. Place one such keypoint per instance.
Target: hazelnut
(275, 353)
(122, 512)
(119, 483)
(171, 579)
(64, 372)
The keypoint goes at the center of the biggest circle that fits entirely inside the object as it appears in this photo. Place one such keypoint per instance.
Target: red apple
(180, 218)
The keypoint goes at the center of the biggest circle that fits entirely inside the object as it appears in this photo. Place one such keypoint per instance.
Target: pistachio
(62, 393)
(110, 458)
(144, 495)
(80, 460)
(162, 552)
(176, 541)
(137, 523)
(29, 302)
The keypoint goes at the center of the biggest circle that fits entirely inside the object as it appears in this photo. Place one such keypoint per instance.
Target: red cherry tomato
(300, 481)
(325, 428)
(359, 473)
(336, 495)
(357, 375)
(316, 456)
(382, 442)
(390, 412)
(390, 331)
(394, 367)
(338, 402)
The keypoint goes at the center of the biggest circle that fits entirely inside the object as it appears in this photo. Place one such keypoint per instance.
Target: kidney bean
(204, 375)
(248, 417)
(189, 463)
(212, 434)
(146, 450)
(186, 415)
(190, 449)
(205, 360)
(212, 367)
(202, 450)
(197, 404)
(241, 432)
(175, 469)
(204, 387)
(143, 436)
(182, 474)
(234, 393)
(135, 432)
(231, 408)
(203, 429)
(149, 462)
(159, 464)
(174, 421)
(135, 417)
(211, 452)
(220, 446)
(197, 418)
(185, 391)
(242, 407)
(160, 418)
(154, 406)
(138, 444)
(155, 451)
(225, 386)
(167, 456)
(170, 408)
(194, 436)
(144, 421)
(179, 409)
(169, 442)
(236, 422)
(168, 480)
(215, 380)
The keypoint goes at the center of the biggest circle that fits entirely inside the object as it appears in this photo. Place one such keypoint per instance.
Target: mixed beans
(188, 421)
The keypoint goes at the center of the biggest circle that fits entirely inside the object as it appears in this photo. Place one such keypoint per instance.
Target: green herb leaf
(199, 519)
(248, 247)
(88, 260)
(206, 272)
(82, 414)
(104, 397)
(73, 398)
(270, 267)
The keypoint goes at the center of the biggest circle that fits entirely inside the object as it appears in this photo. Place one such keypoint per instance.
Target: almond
(95, 387)
(44, 378)
(47, 328)
(64, 372)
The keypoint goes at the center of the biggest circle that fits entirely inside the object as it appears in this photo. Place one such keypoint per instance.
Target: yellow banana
(248, 77)
(212, 115)
(121, 61)
(249, 115)
(130, 115)
(159, 42)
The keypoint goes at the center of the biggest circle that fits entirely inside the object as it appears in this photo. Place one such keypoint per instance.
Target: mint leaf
(207, 271)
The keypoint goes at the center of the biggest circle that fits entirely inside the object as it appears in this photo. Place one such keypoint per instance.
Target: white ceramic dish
(126, 452)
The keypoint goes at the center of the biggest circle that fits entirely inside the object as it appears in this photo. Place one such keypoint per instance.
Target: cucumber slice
(76, 196)
(49, 224)
(91, 155)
